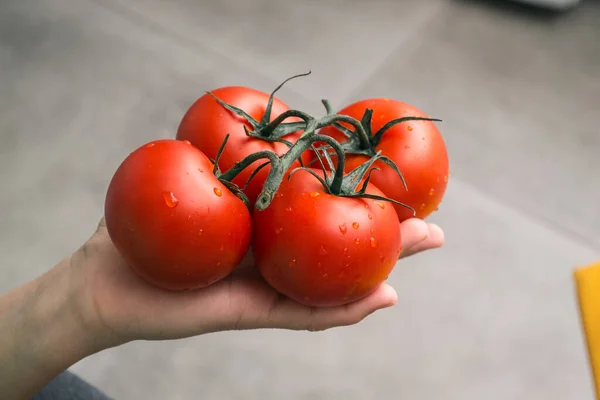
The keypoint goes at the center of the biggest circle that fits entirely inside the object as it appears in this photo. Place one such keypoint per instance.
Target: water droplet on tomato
(322, 251)
(187, 142)
(314, 194)
(278, 230)
(279, 194)
(222, 247)
(422, 206)
(355, 225)
(370, 216)
(372, 231)
(292, 263)
(325, 275)
(446, 178)
(288, 209)
(219, 264)
(150, 145)
(431, 191)
(357, 241)
(380, 204)
(343, 228)
(373, 242)
(410, 128)
(200, 231)
(170, 199)
(218, 192)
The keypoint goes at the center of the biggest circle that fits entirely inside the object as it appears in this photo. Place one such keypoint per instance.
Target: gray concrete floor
(491, 316)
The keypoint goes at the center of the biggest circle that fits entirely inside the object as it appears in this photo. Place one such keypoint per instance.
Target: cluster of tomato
(318, 201)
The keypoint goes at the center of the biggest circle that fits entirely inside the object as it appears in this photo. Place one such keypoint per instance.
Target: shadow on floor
(512, 8)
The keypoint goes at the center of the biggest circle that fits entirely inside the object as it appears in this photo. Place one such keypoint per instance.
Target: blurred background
(492, 315)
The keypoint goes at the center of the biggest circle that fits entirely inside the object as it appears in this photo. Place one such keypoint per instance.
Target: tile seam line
(144, 22)
(427, 16)
(559, 229)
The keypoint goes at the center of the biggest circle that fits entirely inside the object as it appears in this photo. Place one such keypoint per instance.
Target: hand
(120, 307)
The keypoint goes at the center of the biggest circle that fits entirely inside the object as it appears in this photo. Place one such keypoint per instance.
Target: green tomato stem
(239, 166)
(280, 166)
(361, 133)
(267, 130)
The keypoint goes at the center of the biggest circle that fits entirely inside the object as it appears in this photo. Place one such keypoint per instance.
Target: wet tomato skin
(322, 250)
(416, 147)
(175, 224)
(206, 123)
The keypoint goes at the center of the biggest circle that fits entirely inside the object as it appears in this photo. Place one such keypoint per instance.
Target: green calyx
(360, 140)
(348, 185)
(279, 166)
(365, 141)
(258, 131)
(225, 179)
(334, 180)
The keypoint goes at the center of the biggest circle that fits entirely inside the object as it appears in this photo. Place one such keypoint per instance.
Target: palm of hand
(126, 308)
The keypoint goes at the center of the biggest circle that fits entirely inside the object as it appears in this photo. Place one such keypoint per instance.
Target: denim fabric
(68, 386)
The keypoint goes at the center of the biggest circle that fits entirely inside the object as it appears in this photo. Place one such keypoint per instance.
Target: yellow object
(588, 288)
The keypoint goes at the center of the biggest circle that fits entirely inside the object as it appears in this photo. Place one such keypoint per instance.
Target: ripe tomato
(207, 122)
(416, 147)
(172, 220)
(324, 250)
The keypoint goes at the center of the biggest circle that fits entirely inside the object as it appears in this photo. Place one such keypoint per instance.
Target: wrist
(60, 313)
(55, 318)
(85, 310)
(42, 331)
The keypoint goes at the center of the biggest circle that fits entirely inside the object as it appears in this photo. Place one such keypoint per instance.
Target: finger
(101, 225)
(413, 231)
(292, 315)
(434, 239)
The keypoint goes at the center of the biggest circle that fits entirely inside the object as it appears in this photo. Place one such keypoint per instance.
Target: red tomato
(172, 220)
(416, 147)
(207, 122)
(324, 250)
